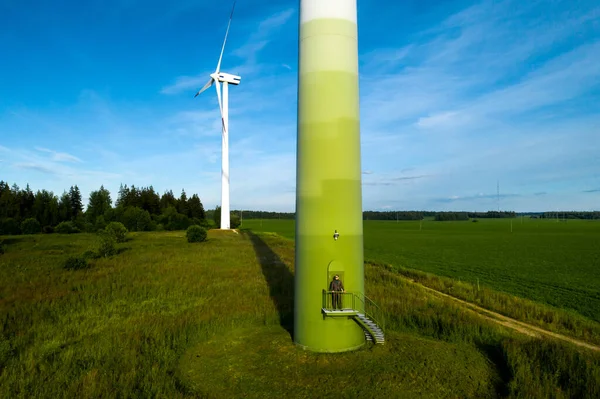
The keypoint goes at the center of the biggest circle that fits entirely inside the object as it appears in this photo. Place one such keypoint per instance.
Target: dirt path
(508, 322)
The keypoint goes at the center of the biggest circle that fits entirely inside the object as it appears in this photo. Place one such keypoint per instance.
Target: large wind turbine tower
(329, 233)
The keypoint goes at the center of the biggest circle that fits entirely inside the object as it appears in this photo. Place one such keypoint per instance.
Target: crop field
(165, 318)
(557, 263)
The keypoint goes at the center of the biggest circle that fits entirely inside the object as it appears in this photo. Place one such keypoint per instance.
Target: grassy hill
(165, 318)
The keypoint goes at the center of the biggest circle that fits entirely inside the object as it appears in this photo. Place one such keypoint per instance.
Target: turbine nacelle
(226, 78)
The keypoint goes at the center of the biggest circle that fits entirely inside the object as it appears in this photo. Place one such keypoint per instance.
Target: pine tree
(182, 206)
(168, 199)
(65, 212)
(195, 208)
(26, 200)
(99, 203)
(75, 201)
(123, 194)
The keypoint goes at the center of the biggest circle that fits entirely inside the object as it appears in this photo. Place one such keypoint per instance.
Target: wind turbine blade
(225, 41)
(218, 86)
(206, 86)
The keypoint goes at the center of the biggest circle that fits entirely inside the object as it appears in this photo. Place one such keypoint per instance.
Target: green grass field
(165, 318)
(557, 263)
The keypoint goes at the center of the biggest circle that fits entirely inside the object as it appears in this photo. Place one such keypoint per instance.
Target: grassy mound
(407, 366)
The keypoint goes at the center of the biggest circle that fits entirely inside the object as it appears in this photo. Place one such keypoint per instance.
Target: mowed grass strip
(151, 321)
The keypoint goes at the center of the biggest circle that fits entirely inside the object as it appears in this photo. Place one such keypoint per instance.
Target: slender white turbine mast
(219, 77)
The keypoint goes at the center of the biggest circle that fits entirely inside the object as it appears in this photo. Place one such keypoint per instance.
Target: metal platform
(339, 312)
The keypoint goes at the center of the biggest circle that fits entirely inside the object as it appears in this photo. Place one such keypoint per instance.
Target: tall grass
(557, 320)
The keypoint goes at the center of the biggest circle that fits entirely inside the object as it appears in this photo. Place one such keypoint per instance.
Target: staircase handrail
(369, 307)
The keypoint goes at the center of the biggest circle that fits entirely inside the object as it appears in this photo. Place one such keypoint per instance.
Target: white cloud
(36, 167)
(441, 119)
(60, 156)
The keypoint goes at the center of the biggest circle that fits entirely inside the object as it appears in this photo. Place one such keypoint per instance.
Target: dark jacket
(336, 285)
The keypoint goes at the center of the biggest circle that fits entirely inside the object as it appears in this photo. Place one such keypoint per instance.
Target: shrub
(66, 228)
(76, 263)
(48, 230)
(234, 221)
(89, 254)
(106, 247)
(2, 250)
(196, 233)
(117, 230)
(31, 226)
(9, 226)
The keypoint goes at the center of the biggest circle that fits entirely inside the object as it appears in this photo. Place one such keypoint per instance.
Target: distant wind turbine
(219, 77)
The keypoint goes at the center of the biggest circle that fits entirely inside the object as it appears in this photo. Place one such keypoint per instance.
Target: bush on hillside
(66, 228)
(31, 226)
(76, 263)
(106, 247)
(234, 221)
(196, 233)
(48, 230)
(89, 254)
(117, 231)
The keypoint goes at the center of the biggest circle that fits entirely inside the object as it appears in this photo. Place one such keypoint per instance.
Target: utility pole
(498, 195)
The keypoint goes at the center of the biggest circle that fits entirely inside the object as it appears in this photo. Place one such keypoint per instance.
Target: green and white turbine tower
(329, 232)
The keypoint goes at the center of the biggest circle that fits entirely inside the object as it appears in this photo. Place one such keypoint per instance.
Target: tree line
(594, 215)
(138, 208)
(396, 215)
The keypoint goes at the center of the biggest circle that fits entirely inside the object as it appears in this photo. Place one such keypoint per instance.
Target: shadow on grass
(496, 356)
(14, 240)
(279, 278)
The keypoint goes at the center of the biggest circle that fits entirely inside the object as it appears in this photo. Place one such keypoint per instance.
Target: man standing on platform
(335, 287)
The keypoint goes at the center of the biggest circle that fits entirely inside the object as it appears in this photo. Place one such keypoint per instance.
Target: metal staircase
(373, 332)
(358, 307)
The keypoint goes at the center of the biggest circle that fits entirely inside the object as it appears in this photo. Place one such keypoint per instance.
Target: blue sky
(455, 96)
